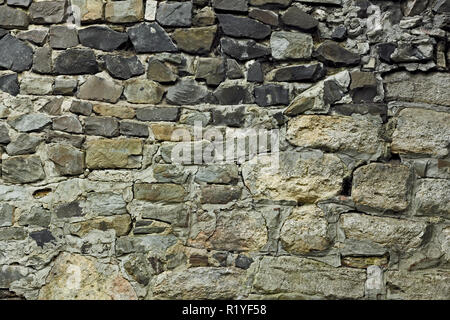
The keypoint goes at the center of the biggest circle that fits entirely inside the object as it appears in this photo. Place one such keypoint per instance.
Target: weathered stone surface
(15, 55)
(160, 72)
(432, 197)
(23, 144)
(42, 60)
(76, 277)
(22, 169)
(9, 83)
(143, 91)
(68, 124)
(204, 17)
(296, 17)
(117, 111)
(100, 89)
(383, 187)
(291, 45)
(158, 114)
(121, 224)
(352, 135)
(403, 86)
(243, 27)
(219, 174)
(150, 37)
(232, 117)
(264, 16)
(198, 283)
(9, 274)
(243, 49)
(427, 285)
(105, 153)
(174, 14)
(331, 53)
(36, 86)
(302, 278)
(421, 132)
(69, 210)
(13, 18)
(102, 38)
(255, 72)
(219, 194)
(302, 176)
(186, 91)
(124, 11)
(307, 72)
(37, 216)
(271, 95)
(47, 11)
(281, 3)
(76, 61)
(389, 232)
(65, 86)
(62, 37)
(4, 134)
(233, 93)
(42, 237)
(29, 122)
(195, 40)
(81, 107)
(231, 5)
(135, 129)
(159, 192)
(68, 160)
(101, 126)
(6, 215)
(305, 230)
(90, 10)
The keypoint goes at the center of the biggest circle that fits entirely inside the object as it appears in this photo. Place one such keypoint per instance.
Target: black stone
(69, 210)
(243, 27)
(42, 237)
(363, 5)
(243, 49)
(102, 38)
(309, 72)
(385, 50)
(76, 61)
(9, 83)
(134, 129)
(228, 118)
(123, 67)
(331, 53)
(296, 17)
(15, 55)
(243, 262)
(158, 114)
(150, 37)
(271, 95)
(332, 92)
(339, 33)
(255, 73)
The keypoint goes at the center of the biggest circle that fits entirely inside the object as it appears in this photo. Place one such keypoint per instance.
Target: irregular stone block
(143, 91)
(160, 72)
(218, 174)
(22, 169)
(243, 49)
(233, 93)
(135, 129)
(150, 37)
(30, 122)
(69, 210)
(174, 14)
(36, 85)
(15, 55)
(76, 61)
(102, 38)
(219, 194)
(68, 124)
(121, 224)
(332, 54)
(111, 154)
(68, 160)
(62, 37)
(231, 5)
(291, 45)
(195, 40)
(23, 144)
(6, 215)
(11, 18)
(243, 27)
(101, 126)
(271, 95)
(166, 192)
(123, 67)
(47, 12)
(307, 72)
(302, 176)
(432, 197)
(91, 10)
(124, 11)
(100, 89)
(296, 17)
(185, 92)
(158, 114)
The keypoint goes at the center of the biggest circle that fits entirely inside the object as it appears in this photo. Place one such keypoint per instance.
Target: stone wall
(94, 205)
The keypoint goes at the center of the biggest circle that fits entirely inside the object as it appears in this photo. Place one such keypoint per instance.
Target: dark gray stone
(23, 144)
(234, 70)
(211, 69)
(243, 49)
(362, 108)
(231, 5)
(331, 53)
(160, 72)
(76, 61)
(296, 17)
(4, 134)
(158, 114)
(255, 73)
(9, 83)
(264, 16)
(231, 93)
(134, 129)
(65, 86)
(332, 92)
(307, 72)
(53, 107)
(42, 60)
(6, 215)
(47, 12)
(243, 262)
(363, 87)
(339, 33)
(150, 37)
(30, 122)
(385, 50)
(15, 55)
(37, 216)
(63, 37)
(219, 194)
(13, 18)
(36, 36)
(81, 107)
(271, 95)
(69, 210)
(68, 123)
(22, 169)
(243, 27)
(186, 91)
(67, 159)
(442, 6)
(102, 38)
(123, 67)
(101, 126)
(42, 237)
(174, 14)
(64, 138)
(231, 117)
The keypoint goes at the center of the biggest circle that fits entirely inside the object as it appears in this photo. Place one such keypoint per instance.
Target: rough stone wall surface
(93, 204)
